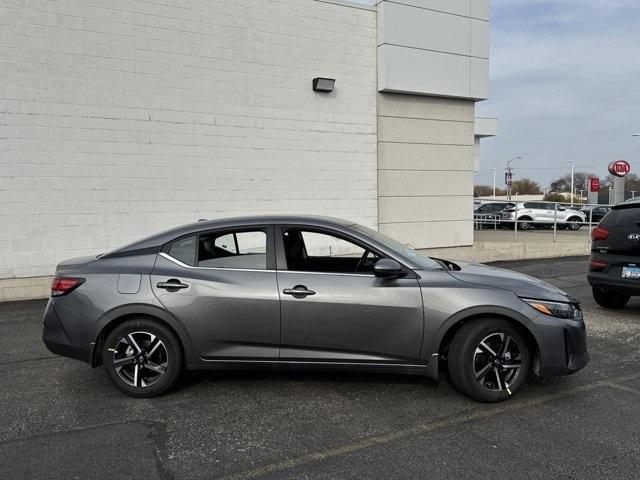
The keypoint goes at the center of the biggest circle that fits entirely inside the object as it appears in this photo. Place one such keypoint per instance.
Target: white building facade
(122, 118)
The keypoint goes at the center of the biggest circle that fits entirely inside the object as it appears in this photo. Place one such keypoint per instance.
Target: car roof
(156, 240)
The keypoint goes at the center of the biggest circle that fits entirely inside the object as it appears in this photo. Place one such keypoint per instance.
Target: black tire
(573, 224)
(525, 223)
(157, 358)
(610, 300)
(464, 356)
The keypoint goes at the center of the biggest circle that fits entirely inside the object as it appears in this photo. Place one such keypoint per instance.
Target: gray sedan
(302, 292)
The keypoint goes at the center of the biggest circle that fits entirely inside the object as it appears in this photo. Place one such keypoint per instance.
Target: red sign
(508, 178)
(594, 185)
(619, 168)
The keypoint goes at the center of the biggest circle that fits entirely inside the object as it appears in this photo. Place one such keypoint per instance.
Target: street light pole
(494, 181)
(573, 164)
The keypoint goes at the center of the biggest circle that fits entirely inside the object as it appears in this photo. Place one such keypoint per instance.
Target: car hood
(522, 285)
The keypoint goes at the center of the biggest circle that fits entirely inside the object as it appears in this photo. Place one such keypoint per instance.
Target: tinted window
(244, 249)
(626, 217)
(184, 250)
(309, 251)
(406, 251)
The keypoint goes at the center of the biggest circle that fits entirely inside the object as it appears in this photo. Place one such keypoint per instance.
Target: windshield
(421, 261)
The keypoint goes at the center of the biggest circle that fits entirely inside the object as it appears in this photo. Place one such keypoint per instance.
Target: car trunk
(73, 263)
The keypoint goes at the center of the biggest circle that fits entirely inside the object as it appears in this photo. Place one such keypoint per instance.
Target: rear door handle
(172, 285)
(299, 291)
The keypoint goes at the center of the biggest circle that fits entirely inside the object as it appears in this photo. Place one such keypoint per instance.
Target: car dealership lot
(60, 419)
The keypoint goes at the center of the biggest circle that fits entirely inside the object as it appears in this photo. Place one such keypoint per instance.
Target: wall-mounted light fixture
(323, 84)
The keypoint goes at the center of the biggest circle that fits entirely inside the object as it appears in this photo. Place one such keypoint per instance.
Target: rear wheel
(488, 360)
(142, 357)
(610, 299)
(525, 223)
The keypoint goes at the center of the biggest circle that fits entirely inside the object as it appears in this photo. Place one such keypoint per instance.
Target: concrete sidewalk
(496, 245)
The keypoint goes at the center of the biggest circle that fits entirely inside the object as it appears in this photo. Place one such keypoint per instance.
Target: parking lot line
(479, 413)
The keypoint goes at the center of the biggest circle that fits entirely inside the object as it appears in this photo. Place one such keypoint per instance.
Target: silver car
(300, 292)
(532, 214)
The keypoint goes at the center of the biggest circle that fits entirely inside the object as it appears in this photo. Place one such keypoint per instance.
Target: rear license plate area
(631, 272)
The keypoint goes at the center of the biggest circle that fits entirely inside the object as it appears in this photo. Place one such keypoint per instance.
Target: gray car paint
(232, 317)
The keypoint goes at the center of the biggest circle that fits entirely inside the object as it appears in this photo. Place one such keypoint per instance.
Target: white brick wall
(117, 122)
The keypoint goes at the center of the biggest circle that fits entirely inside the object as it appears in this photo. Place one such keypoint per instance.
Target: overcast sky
(565, 83)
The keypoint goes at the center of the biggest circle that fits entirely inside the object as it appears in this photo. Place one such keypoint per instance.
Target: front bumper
(563, 346)
(57, 339)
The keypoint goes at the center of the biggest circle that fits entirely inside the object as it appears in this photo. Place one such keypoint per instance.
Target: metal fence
(557, 217)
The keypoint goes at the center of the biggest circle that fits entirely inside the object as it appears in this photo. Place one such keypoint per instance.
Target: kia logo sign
(634, 236)
(619, 168)
(594, 185)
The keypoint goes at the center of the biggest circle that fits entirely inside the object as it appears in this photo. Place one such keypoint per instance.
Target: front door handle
(299, 291)
(172, 285)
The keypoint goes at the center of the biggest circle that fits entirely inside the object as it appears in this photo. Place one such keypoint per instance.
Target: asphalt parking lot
(61, 419)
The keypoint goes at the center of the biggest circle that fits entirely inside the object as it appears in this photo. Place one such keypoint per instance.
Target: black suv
(614, 270)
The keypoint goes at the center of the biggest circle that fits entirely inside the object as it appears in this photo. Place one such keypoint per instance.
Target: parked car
(300, 292)
(614, 269)
(489, 213)
(595, 214)
(532, 214)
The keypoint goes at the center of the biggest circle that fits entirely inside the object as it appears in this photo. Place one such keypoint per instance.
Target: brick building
(121, 118)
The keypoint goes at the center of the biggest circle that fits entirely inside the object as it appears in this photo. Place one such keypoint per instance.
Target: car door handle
(172, 285)
(299, 291)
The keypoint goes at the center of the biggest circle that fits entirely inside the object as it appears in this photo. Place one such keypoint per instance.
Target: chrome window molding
(184, 265)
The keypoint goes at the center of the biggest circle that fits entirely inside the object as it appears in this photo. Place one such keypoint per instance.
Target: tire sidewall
(174, 355)
(464, 348)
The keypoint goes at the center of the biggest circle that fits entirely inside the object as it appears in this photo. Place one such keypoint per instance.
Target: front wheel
(610, 299)
(488, 360)
(142, 357)
(573, 224)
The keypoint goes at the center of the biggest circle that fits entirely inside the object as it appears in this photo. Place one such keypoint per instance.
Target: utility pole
(494, 181)
(573, 164)
(509, 176)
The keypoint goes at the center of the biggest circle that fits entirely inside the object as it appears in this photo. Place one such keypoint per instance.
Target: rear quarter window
(184, 250)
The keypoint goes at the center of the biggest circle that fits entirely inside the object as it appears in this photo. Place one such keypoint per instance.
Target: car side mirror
(388, 268)
(561, 208)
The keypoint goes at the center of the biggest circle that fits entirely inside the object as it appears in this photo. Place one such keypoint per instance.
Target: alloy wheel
(140, 358)
(497, 362)
(525, 225)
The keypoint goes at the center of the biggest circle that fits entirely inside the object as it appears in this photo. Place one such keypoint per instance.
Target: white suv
(531, 214)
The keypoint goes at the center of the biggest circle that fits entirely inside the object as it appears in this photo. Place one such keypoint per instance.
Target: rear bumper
(58, 341)
(611, 280)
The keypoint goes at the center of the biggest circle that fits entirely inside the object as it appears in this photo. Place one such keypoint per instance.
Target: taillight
(63, 285)
(599, 233)
(597, 265)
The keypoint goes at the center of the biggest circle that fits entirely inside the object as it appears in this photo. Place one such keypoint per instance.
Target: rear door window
(240, 249)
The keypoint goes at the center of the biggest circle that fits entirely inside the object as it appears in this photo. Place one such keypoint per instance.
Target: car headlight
(555, 309)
